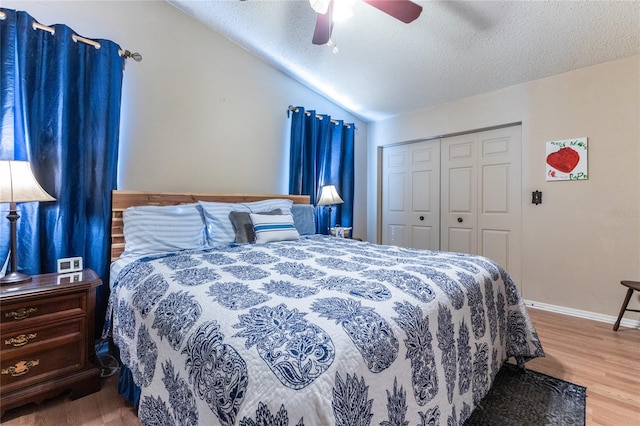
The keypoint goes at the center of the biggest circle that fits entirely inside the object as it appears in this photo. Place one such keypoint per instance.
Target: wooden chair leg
(623, 309)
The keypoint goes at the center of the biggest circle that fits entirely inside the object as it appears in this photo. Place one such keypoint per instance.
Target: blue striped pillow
(160, 229)
(270, 228)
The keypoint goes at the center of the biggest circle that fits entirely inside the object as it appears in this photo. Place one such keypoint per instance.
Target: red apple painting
(567, 159)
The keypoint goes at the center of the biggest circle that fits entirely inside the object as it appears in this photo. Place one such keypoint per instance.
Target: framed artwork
(567, 160)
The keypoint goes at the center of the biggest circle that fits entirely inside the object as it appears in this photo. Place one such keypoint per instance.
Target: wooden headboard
(120, 200)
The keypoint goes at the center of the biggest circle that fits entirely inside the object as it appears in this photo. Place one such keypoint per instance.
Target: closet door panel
(396, 235)
(421, 192)
(461, 240)
(461, 191)
(422, 236)
(495, 245)
(396, 192)
(500, 198)
(459, 194)
(396, 198)
(425, 190)
(495, 189)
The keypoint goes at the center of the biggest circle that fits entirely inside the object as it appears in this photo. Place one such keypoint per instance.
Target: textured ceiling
(455, 49)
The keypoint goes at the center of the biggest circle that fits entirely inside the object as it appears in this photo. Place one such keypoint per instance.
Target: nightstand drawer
(42, 362)
(32, 336)
(46, 309)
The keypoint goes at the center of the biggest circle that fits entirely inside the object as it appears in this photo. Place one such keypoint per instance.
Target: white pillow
(270, 228)
(159, 229)
(219, 227)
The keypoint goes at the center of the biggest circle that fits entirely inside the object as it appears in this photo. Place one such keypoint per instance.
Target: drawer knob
(22, 367)
(20, 340)
(21, 313)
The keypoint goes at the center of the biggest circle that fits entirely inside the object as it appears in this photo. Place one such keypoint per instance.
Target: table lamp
(17, 185)
(328, 197)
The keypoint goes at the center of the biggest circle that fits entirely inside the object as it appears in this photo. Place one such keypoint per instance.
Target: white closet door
(500, 198)
(395, 195)
(459, 194)
(482, 196)
(410, 195)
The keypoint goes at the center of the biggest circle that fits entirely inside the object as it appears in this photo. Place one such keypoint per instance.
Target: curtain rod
(319, 117)
(122, 52)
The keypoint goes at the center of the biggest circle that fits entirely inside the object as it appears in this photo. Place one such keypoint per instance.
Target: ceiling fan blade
(324, 26)
(404, 10)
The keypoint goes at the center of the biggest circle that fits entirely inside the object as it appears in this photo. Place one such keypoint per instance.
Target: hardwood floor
(591, 354)
(585, 352)
(106, 408)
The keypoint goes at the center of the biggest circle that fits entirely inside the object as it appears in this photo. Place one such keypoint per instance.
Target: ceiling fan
(403, 10)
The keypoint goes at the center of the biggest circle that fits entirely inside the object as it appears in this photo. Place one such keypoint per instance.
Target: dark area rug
(527, 398)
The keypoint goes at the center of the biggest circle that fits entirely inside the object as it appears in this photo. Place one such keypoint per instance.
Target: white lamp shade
(328, 196)
(17, 183)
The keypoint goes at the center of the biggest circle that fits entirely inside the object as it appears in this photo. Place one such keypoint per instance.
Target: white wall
(199, 113)
(585, 236)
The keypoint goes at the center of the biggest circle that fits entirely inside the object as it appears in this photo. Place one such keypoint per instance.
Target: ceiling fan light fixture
(403, 10)
(342, 10)
(320, 6)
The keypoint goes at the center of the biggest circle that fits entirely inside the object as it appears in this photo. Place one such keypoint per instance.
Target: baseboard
(630, 323)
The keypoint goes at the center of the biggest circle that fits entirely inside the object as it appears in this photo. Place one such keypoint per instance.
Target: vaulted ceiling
(455, 49)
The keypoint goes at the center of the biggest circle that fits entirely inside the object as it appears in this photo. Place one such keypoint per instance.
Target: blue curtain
(321, 153)
(61, 111)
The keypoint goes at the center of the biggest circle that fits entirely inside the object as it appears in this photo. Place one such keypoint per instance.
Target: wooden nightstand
(46, 338)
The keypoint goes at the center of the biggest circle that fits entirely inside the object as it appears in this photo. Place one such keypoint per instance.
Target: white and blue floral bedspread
(319, 331)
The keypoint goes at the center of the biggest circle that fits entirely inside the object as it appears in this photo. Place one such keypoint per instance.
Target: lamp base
(14, 278)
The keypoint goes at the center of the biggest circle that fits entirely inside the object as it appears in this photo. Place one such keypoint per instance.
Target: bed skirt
(127, 388)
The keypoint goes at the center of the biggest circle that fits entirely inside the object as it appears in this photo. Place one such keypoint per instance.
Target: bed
(301, 330)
